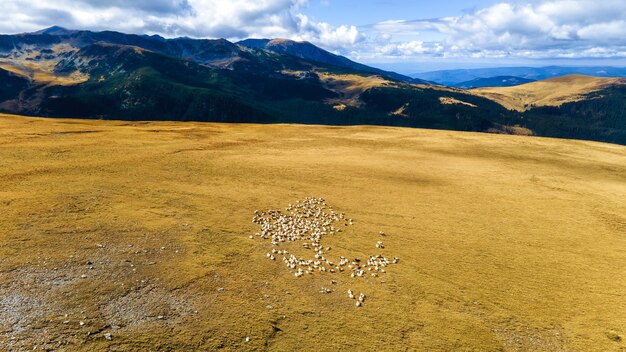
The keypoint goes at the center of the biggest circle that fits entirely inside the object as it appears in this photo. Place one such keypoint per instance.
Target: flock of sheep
(309, 221)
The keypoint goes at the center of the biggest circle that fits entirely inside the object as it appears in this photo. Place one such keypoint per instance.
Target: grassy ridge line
(550, 92)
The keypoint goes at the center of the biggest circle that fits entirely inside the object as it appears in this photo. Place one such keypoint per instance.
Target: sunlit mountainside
(67, 73)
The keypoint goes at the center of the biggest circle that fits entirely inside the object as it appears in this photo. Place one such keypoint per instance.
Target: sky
(404, 35)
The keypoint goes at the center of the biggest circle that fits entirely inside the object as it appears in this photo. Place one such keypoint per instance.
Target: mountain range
(58, 72)
(459, 76)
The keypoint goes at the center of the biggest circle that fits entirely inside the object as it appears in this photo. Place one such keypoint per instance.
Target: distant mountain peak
(154, 36)
(286, 41)
(255, 43)
(55, 30)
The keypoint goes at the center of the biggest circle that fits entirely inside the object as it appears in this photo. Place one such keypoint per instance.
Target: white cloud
(232, 19)
(604, 32)
(330, 36)
(544, 29)
(513, 28)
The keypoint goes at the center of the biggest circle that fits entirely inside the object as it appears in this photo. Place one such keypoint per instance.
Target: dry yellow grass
(349, 87)
(550, 92)
(401, 111)
(506, 243)
(452, 101)
(42, 72)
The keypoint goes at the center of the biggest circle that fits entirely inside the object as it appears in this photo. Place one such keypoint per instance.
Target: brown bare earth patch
(550, 92)
(141, 232)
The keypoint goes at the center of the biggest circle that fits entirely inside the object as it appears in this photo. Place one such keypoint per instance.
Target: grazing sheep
(309, 221)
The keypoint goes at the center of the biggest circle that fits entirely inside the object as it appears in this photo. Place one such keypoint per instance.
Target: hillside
(498, 81)
(11, 85)
(141, 232)
(109, 75)
(550, 92)
(308, 51)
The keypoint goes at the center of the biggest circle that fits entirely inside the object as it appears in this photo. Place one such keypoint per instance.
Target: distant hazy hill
(455, 77)
(498, 81)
